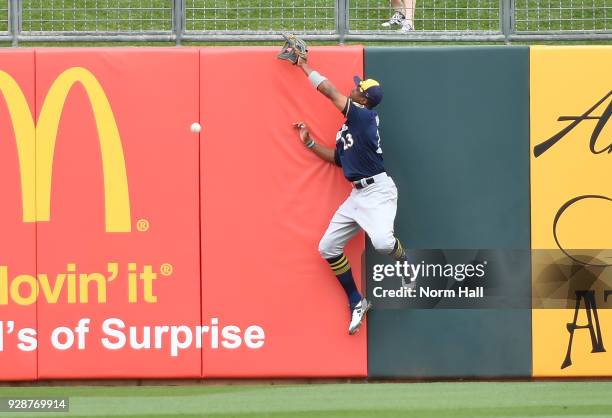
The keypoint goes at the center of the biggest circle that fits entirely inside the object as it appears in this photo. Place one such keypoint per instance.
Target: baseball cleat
(358, 313)
(396, 19)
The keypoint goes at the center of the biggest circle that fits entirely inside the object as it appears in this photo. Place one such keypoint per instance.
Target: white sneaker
(406, 27)
(358, 314)
(396, 19)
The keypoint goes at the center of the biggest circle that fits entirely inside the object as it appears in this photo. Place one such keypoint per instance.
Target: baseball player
(372, 203)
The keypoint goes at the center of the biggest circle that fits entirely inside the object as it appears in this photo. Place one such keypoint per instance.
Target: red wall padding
(17, 239)
(266, 202)
(154, 97)
(233, 215)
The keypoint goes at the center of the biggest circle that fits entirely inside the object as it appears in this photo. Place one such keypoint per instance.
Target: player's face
(357, 96)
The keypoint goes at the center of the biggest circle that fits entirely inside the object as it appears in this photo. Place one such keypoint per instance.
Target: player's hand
(300, 61)
(303, 131)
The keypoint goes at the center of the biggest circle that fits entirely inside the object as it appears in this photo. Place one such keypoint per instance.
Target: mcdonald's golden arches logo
(36, 146)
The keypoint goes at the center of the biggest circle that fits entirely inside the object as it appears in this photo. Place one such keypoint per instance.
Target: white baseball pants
(372, 209)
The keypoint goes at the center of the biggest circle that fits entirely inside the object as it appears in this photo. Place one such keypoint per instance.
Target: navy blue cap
(371, 89)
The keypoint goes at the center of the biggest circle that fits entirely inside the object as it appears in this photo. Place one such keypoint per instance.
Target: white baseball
(195, 127)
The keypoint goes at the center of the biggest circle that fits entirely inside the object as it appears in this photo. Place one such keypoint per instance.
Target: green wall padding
(454, 125)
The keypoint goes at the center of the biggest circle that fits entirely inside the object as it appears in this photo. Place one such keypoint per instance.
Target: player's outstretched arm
(321, 151)
(323, 85)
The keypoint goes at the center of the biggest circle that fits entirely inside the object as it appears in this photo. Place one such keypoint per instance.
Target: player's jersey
(358, 149)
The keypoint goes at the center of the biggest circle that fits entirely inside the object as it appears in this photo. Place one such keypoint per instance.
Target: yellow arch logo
(36, 146)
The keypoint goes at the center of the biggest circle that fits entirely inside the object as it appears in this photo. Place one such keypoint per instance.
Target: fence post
(341, 19)
(15, 20)
(506, 17)
(179, 20)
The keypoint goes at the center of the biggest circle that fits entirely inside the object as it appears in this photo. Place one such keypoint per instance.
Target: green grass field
(356, 400)
(309, 15)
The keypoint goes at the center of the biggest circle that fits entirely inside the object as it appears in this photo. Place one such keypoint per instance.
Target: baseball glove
(293, 49)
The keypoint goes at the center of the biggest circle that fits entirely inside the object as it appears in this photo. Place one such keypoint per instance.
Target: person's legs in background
(403, 16)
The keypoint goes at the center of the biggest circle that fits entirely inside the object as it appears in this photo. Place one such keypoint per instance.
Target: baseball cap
(371, 89)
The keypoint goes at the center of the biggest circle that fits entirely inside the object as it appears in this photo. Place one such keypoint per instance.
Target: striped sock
(398, 252)
(342, 269)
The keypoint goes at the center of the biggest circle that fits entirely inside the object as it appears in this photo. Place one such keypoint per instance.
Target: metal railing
(334, 20)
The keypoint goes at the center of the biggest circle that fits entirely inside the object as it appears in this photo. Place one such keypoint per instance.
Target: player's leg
(341, 229)
(398, 17)
(377, 205)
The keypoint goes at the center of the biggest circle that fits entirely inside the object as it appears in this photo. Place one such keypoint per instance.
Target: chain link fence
(337, 20)
(4, 18)
(563, 15)
(95, 16)
(427, 15)
(260, 16)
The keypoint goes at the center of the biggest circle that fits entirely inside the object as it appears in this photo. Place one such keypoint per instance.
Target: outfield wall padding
(266, 202)
(115, 215)
(455, 136)
(571, 136)
(17, 239)
(153, 100)
(108, 250)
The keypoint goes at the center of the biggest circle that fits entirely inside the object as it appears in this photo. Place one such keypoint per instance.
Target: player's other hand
(303, 131)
